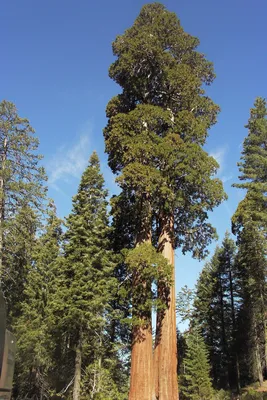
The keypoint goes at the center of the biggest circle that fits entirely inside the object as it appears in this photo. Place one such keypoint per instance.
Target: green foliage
(98, 384)
(184, 303)
(22, 193)
(251, 394)
(249, 221)
(155, 129)
(195, 381)
(21, 177)
(253, 169)
(88, 258)
(19, 165)
(181, 350)
(154, 136)
(19, 244)
(82, 308)
(146, 265)
(253, 164)
(216, 307)
(252, 265)
(34, 328)
(222, 395)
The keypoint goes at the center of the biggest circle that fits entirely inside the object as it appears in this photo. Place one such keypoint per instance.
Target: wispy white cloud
(69, 161)
(219, 155)
(226, 178)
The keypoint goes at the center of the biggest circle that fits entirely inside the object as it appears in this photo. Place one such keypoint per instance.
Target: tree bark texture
(141, 382)
(165, 353)
(141, 364)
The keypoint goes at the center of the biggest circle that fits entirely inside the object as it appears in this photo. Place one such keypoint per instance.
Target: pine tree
(195, 381)
(181, 349)
(249, 224)
(208, 316)
(36, 338)
(230, 285)
(252, 266)
(154, 139)
(88, 269)
(21, 176)
(253, 169)
(216, 307)
(19, 245)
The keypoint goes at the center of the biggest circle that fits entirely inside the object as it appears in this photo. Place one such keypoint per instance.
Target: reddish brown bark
(156, 365)
(141, 364)
(165, 353)
(141, 382)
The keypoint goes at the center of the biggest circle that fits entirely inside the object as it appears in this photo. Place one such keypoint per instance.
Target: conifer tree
(252, 264)
(207, 315)
(230, 287)
(154, 139)
(34, 329)
(216, 307)
(19, 245)
(21, 176)
(88, 270)
(195, 381)
(249, 224)
(253, 169)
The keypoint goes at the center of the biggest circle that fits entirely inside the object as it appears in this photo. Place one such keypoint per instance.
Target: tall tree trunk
(141, 364)
(2, 204)
(78, 369)
(141, 382)
(165, 354)
(142, 344)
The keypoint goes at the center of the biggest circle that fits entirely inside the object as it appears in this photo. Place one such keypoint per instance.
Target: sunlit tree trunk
(141, 354)
(141, 364)
(141, 382)
(165, 354)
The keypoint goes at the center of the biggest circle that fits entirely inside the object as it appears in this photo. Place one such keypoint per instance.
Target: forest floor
(254, 392)
(262, 388)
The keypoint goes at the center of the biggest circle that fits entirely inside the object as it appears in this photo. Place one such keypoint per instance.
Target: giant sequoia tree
(154, 137)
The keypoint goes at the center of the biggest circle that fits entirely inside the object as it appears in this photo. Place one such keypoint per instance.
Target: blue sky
(55, 56)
